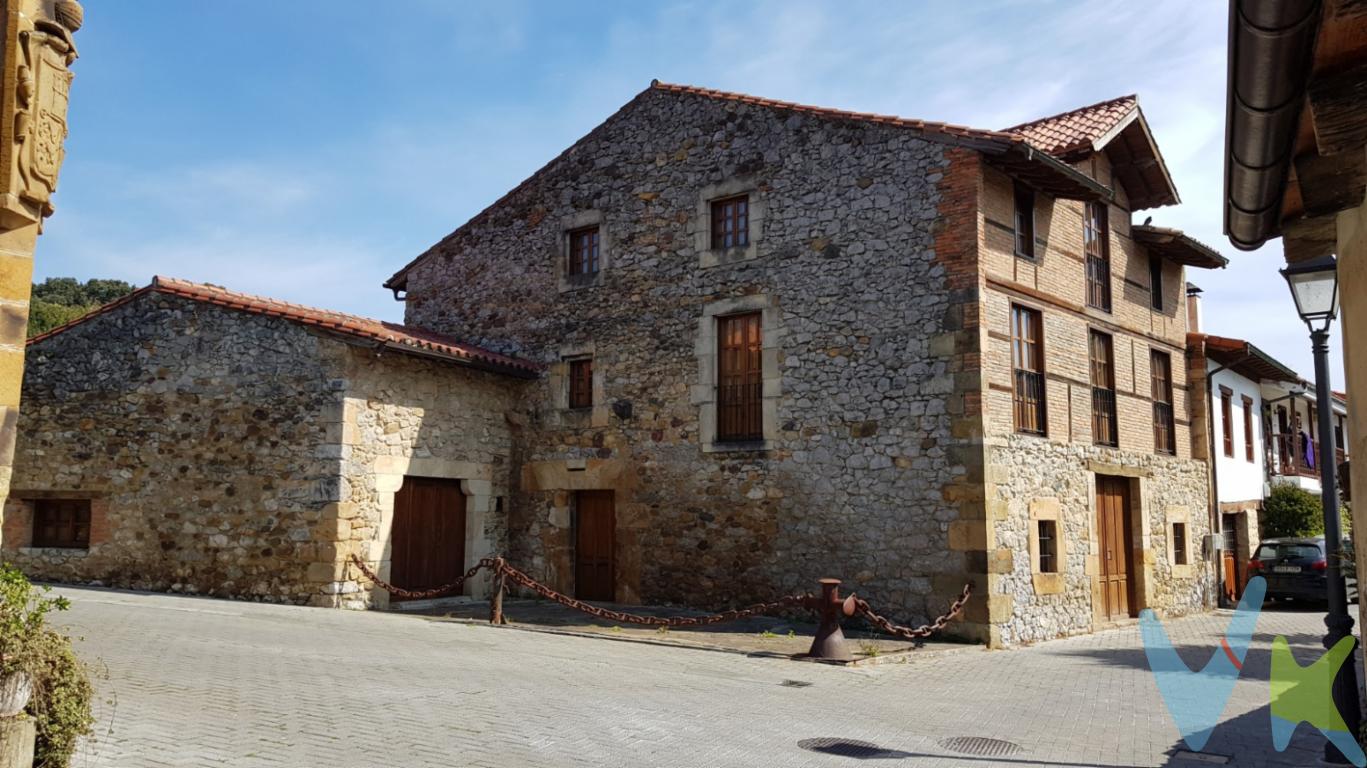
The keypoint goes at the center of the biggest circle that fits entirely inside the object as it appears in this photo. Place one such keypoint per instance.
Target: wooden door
(427, 544)
(1233, 583)
(1115, 539)
(595, 522)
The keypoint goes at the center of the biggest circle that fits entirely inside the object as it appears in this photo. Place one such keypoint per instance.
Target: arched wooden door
(427, 542)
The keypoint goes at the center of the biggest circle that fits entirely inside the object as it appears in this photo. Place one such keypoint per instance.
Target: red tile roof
(400, 338)
(1076, 129)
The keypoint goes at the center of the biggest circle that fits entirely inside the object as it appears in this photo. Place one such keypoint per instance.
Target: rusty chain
(500, 566)
(862, 608)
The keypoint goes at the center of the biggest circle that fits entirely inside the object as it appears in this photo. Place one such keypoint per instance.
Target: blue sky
(307, 150)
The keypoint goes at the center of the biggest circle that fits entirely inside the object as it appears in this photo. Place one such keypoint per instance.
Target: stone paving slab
(202, 682)
(755, 636)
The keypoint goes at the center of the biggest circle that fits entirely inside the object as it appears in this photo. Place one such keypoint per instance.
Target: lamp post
(1314, 286)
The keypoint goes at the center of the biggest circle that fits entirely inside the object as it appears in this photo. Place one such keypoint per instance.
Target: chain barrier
(499, 566)
(862, 608)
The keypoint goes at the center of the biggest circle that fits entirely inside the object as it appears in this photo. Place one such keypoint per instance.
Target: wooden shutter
(1027, 355)
(1164, 425)
(583, 252)
(740, 378)
(61, 523)
(1105, 431)
(1096, 243)
(581, 383)
(1248, 428)
(1227, 419)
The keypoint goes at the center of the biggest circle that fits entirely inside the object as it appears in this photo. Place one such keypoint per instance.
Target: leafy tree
(1291, 511)
(59, 300)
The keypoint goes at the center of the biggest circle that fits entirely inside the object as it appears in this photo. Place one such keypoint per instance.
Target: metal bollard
(829, 642)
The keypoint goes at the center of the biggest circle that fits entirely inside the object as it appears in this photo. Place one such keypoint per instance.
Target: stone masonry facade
(232, 454)
(236, 453)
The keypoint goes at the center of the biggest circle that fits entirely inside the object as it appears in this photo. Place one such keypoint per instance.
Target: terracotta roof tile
(1076, 129)
(393, 335)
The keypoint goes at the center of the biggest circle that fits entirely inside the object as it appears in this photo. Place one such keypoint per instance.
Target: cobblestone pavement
(199, 682)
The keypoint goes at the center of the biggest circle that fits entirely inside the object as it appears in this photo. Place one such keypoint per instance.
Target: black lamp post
(1314, 286)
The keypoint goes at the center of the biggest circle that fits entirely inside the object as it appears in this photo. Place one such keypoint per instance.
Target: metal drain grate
(795, 683)
(980, 746)
(847, 748)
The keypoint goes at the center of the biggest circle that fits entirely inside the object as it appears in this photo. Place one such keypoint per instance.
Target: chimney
(1193, 309)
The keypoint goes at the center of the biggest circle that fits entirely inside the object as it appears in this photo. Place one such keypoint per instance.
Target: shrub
(62, 692)
(1291, 511)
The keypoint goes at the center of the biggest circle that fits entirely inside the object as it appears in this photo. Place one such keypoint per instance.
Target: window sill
(1026, 256)
(580, 282)
(720, 257)
(738, 446)
(54, 551)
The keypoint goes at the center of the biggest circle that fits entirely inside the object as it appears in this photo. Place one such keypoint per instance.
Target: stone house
(194, 439)
(784, 342)
(764, 343)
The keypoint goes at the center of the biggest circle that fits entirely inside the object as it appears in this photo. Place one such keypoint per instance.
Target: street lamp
(1315, 287)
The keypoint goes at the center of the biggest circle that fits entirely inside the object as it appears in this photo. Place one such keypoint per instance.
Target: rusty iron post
(829, 642)
(496, 604)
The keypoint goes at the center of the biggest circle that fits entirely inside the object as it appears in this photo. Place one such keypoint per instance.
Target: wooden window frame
(1227, 420)
(737, 219)
(1180, 551)
(1164, 410)
(1030, 417)
(580, 375)
(1048, 545)
(740, 378)
(71, 529)
(1156, 282)
(1105, 421)
(1096, 239)
(585, 251)
(1024, 198)
(1248, 428)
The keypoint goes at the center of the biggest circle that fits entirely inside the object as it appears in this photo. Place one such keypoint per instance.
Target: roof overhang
(1296, 121)
(1047, 173)
(1177, 246)
(1138, 165)
(1243, 358)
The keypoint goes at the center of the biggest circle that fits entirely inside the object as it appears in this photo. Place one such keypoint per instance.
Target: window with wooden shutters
(584, 254)
(731, 222)
(1096, 244)
(1025, 221)
(1047, 535)
(1156, 282)
(1248, 428)
(1227, 419)
(740, 378)
(581, 383)
(1027, 362)
(1179, 543)
(1164, 425)
(1105, 430)
(61, 523)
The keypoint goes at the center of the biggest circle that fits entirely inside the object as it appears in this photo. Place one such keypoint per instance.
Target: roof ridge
(1069, 113)
(385, 332)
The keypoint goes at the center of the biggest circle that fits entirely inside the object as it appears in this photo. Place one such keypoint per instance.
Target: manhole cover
(980, 746)
(795, 683)
(847, 748)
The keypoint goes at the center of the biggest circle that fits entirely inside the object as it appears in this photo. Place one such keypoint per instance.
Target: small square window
(1179, 543)
(584, 255)
(581, 383)
(1048, 546)
(61, 523)
(731, 222)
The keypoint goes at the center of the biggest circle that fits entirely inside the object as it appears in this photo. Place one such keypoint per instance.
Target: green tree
(1291, 511)
(59, 300)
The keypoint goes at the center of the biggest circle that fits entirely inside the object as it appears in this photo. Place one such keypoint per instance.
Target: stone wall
(850, 479)
(407, 416)
(194, 428)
